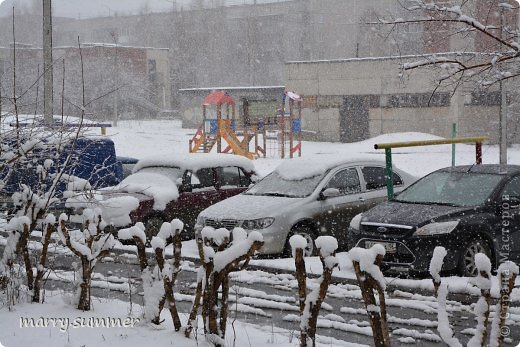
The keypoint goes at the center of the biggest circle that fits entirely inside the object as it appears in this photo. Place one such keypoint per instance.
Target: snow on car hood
(157, 186)
(393, 212)
(245, 207)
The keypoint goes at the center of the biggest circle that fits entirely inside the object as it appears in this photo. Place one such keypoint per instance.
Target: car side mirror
(329, 193)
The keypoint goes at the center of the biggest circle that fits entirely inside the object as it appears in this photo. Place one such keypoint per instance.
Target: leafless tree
(471, 42)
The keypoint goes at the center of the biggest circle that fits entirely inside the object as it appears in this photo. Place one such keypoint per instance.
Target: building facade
(119, 81)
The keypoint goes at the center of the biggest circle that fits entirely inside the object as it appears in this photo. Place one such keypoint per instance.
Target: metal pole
(503, 125)
(453, 135)
(291, 133)
(503, 108)
(47, 62)
(300, 130)
(389, 174)
(478, 153)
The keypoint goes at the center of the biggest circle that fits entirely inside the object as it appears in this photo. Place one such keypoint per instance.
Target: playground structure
(388, 154)
(277, 135)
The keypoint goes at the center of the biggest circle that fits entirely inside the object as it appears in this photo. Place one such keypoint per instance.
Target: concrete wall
(353, 99)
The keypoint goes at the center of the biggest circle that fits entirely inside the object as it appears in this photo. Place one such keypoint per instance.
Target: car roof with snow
(195, 161)
(485, 169)
(310, 166)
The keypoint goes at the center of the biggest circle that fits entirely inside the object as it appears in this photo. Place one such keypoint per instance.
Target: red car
(163, 188)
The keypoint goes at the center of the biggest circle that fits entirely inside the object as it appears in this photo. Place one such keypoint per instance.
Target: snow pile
(217, 236)
(366, 259)
(135, 231)
(166, 233)
(75, 183)
(153, 293)
(30, 204)
(159, 187)
(17, 223)
(239, 234)
(439, 253)
(235, 251)
(117, 209)
(195, 162)
(297, 242)
(327, 245)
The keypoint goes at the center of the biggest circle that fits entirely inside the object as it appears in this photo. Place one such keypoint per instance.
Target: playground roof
(218, 98)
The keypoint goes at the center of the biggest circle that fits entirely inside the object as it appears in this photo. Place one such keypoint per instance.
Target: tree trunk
(224, 305)
(84, 297)
(43, 261)
(212, 305)
(315, 310)
(21, 247)
(194, 310)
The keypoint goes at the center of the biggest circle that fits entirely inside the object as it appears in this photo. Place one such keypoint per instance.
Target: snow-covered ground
(117, 324)
(143, 138)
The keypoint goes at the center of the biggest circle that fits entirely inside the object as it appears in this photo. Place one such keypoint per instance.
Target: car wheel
(467, 265)
(152, 227)
(308, 234)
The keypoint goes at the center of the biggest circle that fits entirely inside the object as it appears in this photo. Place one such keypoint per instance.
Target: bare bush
(220, 255)
(90, 245)
(159, 280)
(367, 264)
(310, 303)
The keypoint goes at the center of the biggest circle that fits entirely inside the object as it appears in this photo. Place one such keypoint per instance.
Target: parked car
(466, 209)
(310, 196)
(92, 159)
(177, 186)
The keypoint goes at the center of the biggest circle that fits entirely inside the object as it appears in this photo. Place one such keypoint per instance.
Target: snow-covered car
(311, 196)
(465, 209)
(178, 186)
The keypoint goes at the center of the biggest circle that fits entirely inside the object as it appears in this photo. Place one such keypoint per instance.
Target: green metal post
(389, 174)
(453, 135)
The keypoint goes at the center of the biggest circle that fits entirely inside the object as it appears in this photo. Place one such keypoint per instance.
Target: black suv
(466, 209)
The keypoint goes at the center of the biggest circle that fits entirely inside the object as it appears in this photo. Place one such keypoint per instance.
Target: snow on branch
(482, 68)
(482, 307)
(90, 245)
(507, 273)
(441, 291)
(366, 263)
(219, 256)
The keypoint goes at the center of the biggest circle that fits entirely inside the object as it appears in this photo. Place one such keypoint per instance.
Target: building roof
(218, 98)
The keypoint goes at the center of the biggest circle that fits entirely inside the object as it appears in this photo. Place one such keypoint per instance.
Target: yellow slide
(234, 142)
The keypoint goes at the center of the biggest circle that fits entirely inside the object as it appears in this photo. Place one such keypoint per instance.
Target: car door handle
(361, 199)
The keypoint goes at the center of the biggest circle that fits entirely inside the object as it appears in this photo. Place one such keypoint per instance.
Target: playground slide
(235, 144)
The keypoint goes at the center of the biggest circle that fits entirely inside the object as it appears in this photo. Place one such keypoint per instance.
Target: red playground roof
(218, 98)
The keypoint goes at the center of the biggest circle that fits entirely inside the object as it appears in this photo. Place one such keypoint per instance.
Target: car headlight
(355, 223)
(255, 224)
(436, 228)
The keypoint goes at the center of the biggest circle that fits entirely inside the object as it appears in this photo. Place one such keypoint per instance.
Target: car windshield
(173, 173)
(451, 188)
(275, 185)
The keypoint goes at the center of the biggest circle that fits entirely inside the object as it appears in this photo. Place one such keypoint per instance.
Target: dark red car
(163, 188)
